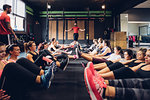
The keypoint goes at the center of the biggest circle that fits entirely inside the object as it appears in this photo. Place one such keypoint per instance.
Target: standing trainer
(5, 27)
(75, 29)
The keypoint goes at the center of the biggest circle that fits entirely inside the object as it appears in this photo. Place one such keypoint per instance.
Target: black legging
(131, 89)
(123, 73)
(23, 73)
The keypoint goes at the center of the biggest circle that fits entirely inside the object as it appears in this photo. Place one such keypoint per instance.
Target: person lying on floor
(53, 48)
(130, 63)
(115, 56)
(98, 47)
(128, 54)
(14, 51)
(105, 51)
(139, 71)
(140, 58)
(24, 74)
(122, 89)
(92, 47)
(30, 49)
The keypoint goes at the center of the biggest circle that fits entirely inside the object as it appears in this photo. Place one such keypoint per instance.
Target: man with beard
(5, 27)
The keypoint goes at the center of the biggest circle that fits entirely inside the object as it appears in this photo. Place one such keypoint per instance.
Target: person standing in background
(5, 27)
(75, 29)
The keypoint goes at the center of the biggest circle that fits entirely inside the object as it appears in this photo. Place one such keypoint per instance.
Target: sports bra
(142, 73)
(133, 63)
(34, 56)
(107, 53)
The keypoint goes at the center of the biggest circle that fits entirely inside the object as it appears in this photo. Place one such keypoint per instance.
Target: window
(17, 15)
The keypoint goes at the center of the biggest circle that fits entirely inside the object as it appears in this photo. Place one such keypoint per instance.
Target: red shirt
(3, 27)
(1, 73)
(75, 29)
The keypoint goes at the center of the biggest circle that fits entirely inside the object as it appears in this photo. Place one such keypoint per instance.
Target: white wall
(124, 22)
(133, 28)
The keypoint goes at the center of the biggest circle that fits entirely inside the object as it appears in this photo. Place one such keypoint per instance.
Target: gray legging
(131, 89)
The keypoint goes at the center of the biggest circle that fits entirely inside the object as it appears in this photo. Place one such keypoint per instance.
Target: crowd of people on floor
(109, 73)
(116, 73)
(36, 69)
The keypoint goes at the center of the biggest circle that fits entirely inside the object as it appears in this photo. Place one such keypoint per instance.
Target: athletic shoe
(94, 89)
(91, 67)
(49, 54)
(64, 60)
(47, 77)
(48, 60)
(39, 59)
(94, 72)
(69, 52)
(78, 53)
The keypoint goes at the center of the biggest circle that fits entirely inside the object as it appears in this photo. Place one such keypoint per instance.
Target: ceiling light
(49, 6)
(103, 6)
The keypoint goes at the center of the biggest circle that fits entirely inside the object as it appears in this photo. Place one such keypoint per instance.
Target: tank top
(142, 73)
(133, 63)
(107, 53)
(34, 57)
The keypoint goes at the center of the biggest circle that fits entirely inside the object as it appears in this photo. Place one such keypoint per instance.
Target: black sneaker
(39, 60)
(64, 60)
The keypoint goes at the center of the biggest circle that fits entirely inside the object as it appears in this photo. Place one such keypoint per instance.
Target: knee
(9, 66)
(21, 59)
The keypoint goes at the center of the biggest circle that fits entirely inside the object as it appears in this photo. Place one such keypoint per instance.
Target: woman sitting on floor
(24, 74)
(139, 71)
(131, 63)
(98, 47)
(92, 47)
(128, 54)
(115, 56)
(30, 49)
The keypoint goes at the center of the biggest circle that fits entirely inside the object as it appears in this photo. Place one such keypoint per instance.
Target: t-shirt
(114, 57)
(75, 29)
(3, 27)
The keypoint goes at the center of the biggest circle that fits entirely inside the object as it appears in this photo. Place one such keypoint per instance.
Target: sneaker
(94, 89)
(64, 60)
(78, 53)
(94, 72)
(49, 54)
(39, 59)
(47, 77)
(91, 67)
(69, 52)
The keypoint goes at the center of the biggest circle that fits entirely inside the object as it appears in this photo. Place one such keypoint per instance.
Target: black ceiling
(113, 5)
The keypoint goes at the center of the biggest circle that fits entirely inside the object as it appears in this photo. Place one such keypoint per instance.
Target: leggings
(115, 66)
(131, 89)
(124, 72)
(75, 36)
(98, 60)
(21, 74)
